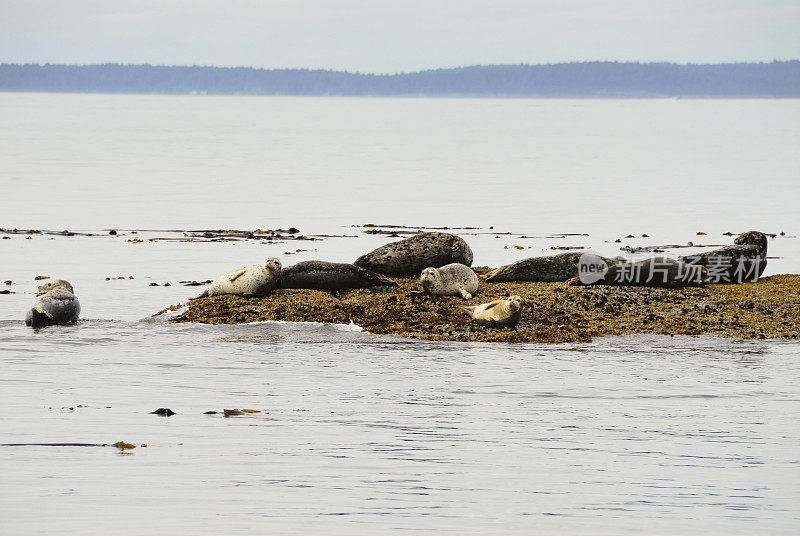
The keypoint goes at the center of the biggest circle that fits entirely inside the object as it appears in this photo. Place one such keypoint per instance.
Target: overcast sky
(396, 35)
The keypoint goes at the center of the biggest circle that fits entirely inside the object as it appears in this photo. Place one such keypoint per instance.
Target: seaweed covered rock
(554, 312)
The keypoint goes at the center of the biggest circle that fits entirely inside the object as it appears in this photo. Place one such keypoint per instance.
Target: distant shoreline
(589, 80)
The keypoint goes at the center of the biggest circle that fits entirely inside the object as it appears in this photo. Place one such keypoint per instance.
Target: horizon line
(323, 69)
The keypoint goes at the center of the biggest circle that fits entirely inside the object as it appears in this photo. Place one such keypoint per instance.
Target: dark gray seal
(549, 269)
(412, 255)
(56, 305)
(652, 272)
(332, 276)
(744, 261)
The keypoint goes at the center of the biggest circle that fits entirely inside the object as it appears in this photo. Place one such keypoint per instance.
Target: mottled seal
(255, 280)
(549, 269)
(320, 275)
(652, 272)
(56, 304)
(412, 255)
(498, 313)
(744, 261)
(449, 280)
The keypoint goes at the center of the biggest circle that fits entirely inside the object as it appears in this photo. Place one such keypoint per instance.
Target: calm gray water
(363, 434)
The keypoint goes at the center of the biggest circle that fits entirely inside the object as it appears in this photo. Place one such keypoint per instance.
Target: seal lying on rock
(652, 272)
(744, 261)
(547, 269)
(56, 305)
(498, 313)
(319, 275)
(412, 255)
(255, 280)
(450, 280)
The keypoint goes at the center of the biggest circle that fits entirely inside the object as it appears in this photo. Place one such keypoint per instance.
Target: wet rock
(556, 313)
(164, 412)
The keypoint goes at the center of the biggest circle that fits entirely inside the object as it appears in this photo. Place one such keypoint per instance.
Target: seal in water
(410, 256)
(56, 305)
(255, 280)
(332, 276)
(744, 261)
(550, 269)
(498, 313)
(652, 272)
(450, 280)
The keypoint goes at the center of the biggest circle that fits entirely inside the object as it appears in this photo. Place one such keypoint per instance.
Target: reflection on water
(360, 433)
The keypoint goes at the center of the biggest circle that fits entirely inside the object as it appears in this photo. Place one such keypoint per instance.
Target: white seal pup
(255, 280)
(450, 280)
(498, 313)
(56, 305)
(410, 256)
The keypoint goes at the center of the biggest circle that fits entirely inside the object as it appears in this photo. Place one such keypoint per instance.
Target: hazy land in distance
(778, 79)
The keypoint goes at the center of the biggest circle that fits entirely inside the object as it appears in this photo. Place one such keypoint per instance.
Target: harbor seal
(320, 275)
(744, 261)
(653, 272)
(549, 269)
(410, 256)
(255, 280)
(498, 313)
(449, 280)
(56, 304)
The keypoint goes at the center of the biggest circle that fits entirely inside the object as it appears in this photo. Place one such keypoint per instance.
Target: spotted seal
(410, 256)
(56, 304)
(449, 280)
(744, 261)
(498, 313)
(651, 272)
(256, 280)
(332, 276)
(549, 269)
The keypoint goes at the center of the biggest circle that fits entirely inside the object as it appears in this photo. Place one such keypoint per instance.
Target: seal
(410, 256)
(549, 269)
(652, 272)
(498, 313)
(56, 304)
(744, 261)
(256, 280)
(449, 280)
(332, 276)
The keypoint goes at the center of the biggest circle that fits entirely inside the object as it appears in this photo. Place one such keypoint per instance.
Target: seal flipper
(236, 275)
(203, 294)
(38, 317)
(464, 294)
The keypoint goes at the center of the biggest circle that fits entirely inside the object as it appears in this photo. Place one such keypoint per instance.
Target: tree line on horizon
(779, 79)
